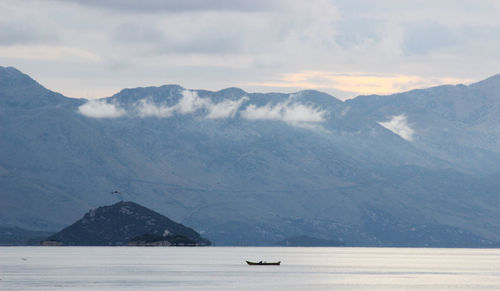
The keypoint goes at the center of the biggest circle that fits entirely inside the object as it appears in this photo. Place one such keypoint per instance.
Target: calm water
(224, 268)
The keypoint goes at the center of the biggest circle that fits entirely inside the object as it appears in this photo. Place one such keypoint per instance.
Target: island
(125, 224)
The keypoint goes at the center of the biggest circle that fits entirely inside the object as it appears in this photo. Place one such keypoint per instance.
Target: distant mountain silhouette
(14, 236)
(307, 241)
(418, 168)
(123, 223)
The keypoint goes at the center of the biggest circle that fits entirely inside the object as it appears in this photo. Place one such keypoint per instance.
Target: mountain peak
(10, 76)
(9, 70)
(19, 89)
(157, 93)
(321, 97)
(235, 91)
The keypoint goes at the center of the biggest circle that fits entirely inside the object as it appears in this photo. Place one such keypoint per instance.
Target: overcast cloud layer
(95, 48)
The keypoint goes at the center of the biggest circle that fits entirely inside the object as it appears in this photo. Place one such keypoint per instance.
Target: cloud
(147, 108)
(101, 109)
(205, 35)
(24, 33)
(399, 125)
(131, 32)
(177, 6)
(48, 53)
(423, 38)
(266, 112)
(357, 31)
(190, 103)
(224, 43)
(297, 113)
(288, 111)
(224, 109)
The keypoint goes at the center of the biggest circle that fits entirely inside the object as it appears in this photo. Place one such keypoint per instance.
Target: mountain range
(418, 168)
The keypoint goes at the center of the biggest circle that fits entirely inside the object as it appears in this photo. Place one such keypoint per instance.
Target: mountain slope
(456, 123)
(258, 168)
(14, 236)
(119, 224)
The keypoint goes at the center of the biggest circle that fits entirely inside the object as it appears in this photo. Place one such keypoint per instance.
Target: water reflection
(224, 268)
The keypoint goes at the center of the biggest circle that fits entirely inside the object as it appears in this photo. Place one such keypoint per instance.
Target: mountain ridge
(275, 164)
(492, 80)
(20, 90)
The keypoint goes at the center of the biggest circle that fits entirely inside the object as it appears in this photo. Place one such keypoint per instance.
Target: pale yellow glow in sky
(357, 83)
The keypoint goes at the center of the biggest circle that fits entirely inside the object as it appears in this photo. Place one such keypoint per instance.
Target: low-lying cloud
(289, 111)
(101, 109)
(224, 109)
(147, 108)
(399, 125)
(190, 103)
(293, 113)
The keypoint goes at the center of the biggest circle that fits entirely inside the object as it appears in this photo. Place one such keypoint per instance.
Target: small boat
(261, 263)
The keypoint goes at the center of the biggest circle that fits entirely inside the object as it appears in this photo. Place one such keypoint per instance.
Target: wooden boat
(261, 263)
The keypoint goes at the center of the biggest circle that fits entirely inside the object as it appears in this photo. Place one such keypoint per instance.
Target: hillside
(418, 168)
(307, 241)
(14, 236)
(122, 223)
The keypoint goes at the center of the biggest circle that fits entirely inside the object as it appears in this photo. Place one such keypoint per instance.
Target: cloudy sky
(94, 48)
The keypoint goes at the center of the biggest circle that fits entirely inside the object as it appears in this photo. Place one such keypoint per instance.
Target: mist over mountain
(419, 168)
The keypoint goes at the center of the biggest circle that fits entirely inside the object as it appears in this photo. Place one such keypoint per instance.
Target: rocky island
(125, 223)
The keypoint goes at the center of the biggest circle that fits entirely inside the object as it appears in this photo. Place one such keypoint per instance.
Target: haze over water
(224, 268)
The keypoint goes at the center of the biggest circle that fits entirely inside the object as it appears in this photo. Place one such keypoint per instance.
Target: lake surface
(224, 268)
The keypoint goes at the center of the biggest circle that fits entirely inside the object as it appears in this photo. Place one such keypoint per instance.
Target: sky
(94, 48)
